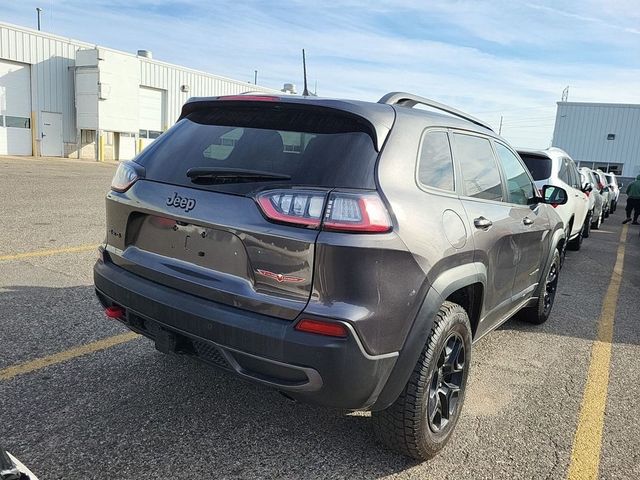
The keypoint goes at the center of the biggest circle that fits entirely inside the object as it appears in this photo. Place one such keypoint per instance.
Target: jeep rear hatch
(232, 198)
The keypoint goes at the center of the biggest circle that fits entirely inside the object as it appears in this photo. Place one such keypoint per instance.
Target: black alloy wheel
(550, 288)
(446, 383)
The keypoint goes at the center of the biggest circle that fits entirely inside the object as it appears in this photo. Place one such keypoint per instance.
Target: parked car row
(592, 194)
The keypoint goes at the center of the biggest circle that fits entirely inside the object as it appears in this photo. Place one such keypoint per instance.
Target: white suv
(614, 189)
(554, 166)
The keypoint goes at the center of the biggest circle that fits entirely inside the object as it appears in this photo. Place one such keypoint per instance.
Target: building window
(17, 122)
(1, 121)
(154, 133)
(87, 136)
(611, 136)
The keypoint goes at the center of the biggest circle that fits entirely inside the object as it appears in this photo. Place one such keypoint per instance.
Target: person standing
(633, 201)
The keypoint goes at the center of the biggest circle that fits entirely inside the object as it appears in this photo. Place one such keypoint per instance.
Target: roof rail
(409, 100)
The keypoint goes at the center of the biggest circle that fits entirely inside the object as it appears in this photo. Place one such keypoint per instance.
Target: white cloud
(489, 58)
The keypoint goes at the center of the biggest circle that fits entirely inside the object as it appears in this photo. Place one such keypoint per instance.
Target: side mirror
(587, 187)
(554, 196)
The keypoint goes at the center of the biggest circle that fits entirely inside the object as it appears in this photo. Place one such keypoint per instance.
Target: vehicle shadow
(132, 409)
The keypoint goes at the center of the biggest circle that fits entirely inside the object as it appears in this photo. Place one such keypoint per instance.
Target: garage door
(152, 116)
(15, 108)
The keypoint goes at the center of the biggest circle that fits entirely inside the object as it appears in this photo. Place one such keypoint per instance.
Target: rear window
(540, 167)
(320, 148)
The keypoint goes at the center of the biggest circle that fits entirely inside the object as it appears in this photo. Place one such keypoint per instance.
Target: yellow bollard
(101, 148)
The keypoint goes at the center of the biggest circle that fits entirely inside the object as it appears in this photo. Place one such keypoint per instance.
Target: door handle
(527, 221)
(482, 222)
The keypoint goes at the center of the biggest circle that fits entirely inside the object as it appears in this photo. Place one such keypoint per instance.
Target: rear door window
(563, 173)
(574, 175)
(435, 167)
(480, 174)
(519, 184)
(539, 166)
(314, 148)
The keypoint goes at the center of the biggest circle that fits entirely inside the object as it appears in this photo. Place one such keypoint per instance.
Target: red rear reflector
(114, 312)
(250, 98)
(320, 327)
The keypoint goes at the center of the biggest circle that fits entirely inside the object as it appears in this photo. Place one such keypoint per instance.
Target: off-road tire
(404, 426)
(539, 313)
(576, 243)
(586, 228)
(595, 225)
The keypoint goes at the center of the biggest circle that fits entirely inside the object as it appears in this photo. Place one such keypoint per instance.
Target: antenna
(39, 10)
(565, 94)
(305, 92)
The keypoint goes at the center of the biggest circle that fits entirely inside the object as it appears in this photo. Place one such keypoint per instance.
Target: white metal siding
(52, 60)
(170, 78)
(15, 103)
(581, 130)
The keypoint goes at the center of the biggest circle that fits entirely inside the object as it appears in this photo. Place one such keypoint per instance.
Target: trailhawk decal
(279, 277)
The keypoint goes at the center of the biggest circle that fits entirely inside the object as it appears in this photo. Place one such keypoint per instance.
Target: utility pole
(255, 77)
(500, 129)
(39, 10)
(305, 92)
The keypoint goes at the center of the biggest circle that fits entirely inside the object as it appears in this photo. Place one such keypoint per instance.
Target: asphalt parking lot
(120, 409)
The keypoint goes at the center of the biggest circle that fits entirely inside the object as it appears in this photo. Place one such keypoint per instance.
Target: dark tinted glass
(436, 165)
(315, 148)
(478, 166)
(518, 182)
(563, 174)
(539, 167)
(17, 122)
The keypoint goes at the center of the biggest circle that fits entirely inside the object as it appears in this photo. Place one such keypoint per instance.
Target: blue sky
(510, 58)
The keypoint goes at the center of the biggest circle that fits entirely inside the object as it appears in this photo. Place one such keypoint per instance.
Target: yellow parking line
(46, 253)
(585, 456)
(42, 362)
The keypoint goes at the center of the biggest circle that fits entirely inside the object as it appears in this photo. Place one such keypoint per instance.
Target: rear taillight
(355, 212)
(126, 175)
(343, 212)
(296, 207)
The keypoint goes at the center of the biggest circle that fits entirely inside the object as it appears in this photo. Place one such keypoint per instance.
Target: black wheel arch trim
(444, 285)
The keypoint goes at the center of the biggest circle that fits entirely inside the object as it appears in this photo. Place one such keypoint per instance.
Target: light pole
(39, 10)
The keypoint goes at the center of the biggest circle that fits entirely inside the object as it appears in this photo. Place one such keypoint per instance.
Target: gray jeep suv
(345, 253)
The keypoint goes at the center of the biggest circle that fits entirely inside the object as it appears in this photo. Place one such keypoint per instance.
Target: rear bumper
(335, 372)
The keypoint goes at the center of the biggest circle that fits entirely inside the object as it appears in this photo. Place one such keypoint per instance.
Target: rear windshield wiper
(229, 175)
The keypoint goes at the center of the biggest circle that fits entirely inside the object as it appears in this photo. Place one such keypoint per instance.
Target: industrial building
(62, 97)
(600, 135)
